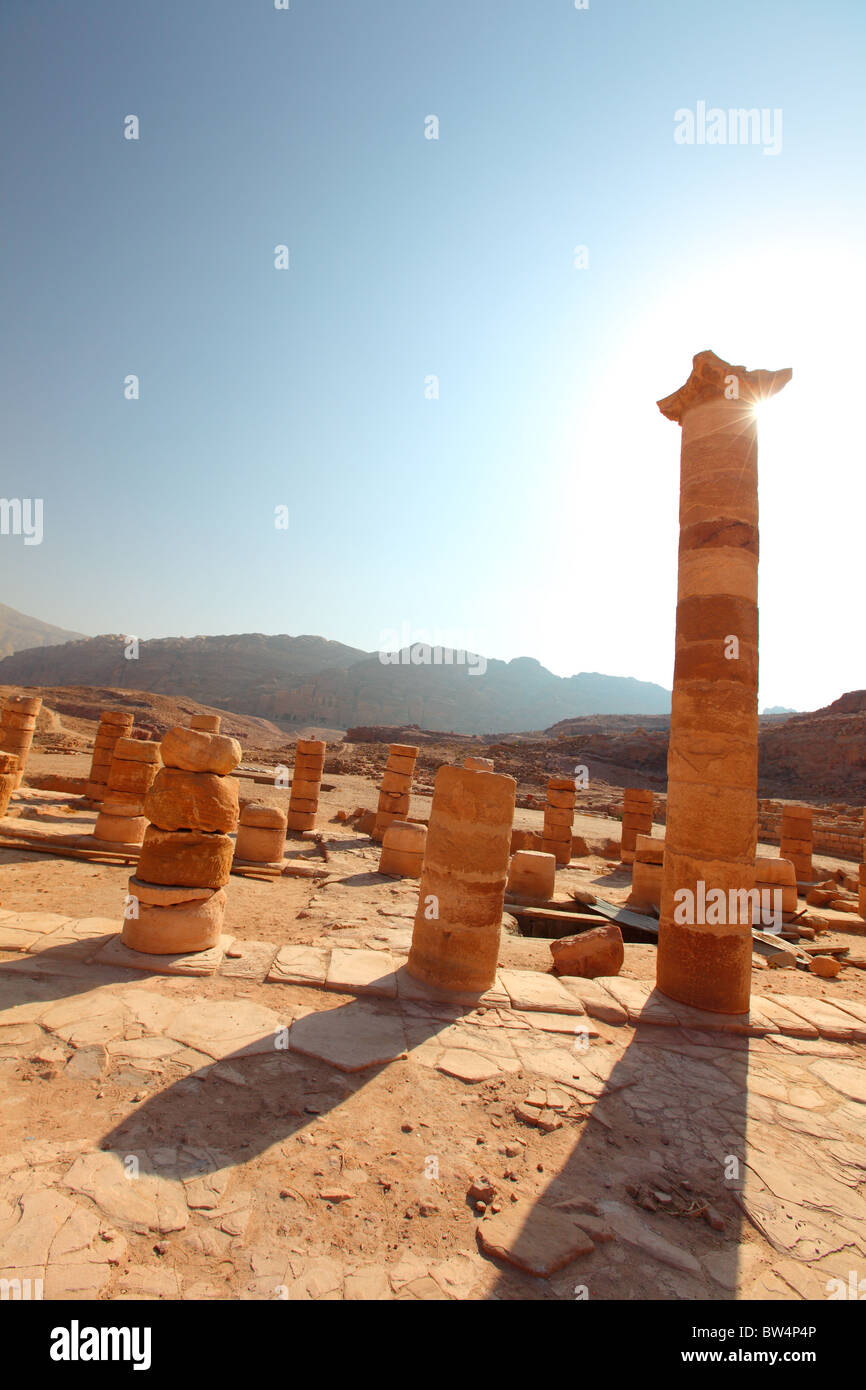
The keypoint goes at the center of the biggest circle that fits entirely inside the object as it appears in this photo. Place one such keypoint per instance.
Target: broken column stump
(712, 804)
(17, 727)
(176, 901)
(134, 766)
(795, 840)
(455, 940)
(306, 784)
(637, 819)
(113, 724)
(261, 835)
(403, 848)
(396, 787)
(558, 818)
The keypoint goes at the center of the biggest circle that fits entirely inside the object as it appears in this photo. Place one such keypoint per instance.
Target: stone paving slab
(300, 965)
(643, 1003)
(360, 971)
(529, 990)
(197, 963)
(831, 1022)
(352, 1038)
(248, 960)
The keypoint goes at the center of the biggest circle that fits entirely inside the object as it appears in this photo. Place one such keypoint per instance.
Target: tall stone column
(704, 958)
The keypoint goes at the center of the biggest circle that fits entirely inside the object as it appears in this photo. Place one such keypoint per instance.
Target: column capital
(714, 379)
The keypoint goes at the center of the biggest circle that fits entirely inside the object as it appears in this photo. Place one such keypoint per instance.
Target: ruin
(396, 787)
(403, 847)
(261, 837)
(712, 801)
(17, 726)
(306, 781)
(795, 841)
(455, 938)
(176, 900)
(637, 819)
(559, 818)
(113, 724)
(134, 765)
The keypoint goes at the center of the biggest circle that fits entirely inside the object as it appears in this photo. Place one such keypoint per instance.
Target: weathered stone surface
(847, 1078)
(528, 989)
(194, 751)
(185, 858)
(352, 1038)
(227, 1027)
(143, 1203)
(197, 963)
(533, 1238)
(362, 972)
(598, 951)
(468, 1065)
(300, 965)
(180, 800)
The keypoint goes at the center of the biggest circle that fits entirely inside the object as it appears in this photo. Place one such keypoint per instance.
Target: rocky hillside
(18, 632)
(296, 681)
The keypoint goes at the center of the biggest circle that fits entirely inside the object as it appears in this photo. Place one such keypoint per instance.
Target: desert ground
(288, 1116)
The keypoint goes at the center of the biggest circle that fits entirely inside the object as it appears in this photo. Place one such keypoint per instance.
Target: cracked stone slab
(642, 1003)
(248, 960)
(468, 1066)
(413, 991)
(789, 1024)
(128, 1195)
(831, 1022)
(36, 923)
(362, 971)
(849, 1079)
(300, 965)
(86, 1019)
(530, 991)
(637, 1232)
(595, 1000)
(533, 1238)
(227, 1027)
(195, 963)
(352, 1038)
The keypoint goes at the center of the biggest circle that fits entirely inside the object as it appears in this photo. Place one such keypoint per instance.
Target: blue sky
(531, 508)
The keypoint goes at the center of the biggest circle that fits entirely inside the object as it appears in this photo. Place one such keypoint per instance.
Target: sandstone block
(398, 764)
(167, 894)
(117, 717)
(401, 863)
(206, 723)
(312, 747)
(180, 800)
(598, 951)
(303, 804)
(532, 875)
(398, 783)
(8, 782)
(300, 820)
(261, 814)
(189, 750)
(137, 750)
(402, 750)
(304, 791)
(261, 844)
(123, 830)
(556, 796)
(478, 764)
(24, 704)
(406, 835)
(185, 857)
(126, 776)
(176, 930)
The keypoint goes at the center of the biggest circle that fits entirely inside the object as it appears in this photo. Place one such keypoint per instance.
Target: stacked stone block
(531, 875)
(134, 766)
(795, 841)
(558, 818)
(306, 783)
(396, 787)
(17, 726)
(113, 724)
(177, 902)
(647, 873)
(479, 764)
(861, 896)
(455, 940)
(637, 819)
(8, 779)
(772, 874)
(712, 804)
(206, 723)
(261, 834)
(403, 849)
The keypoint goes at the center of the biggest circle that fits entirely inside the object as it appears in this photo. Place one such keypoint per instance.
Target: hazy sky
(531, 508)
